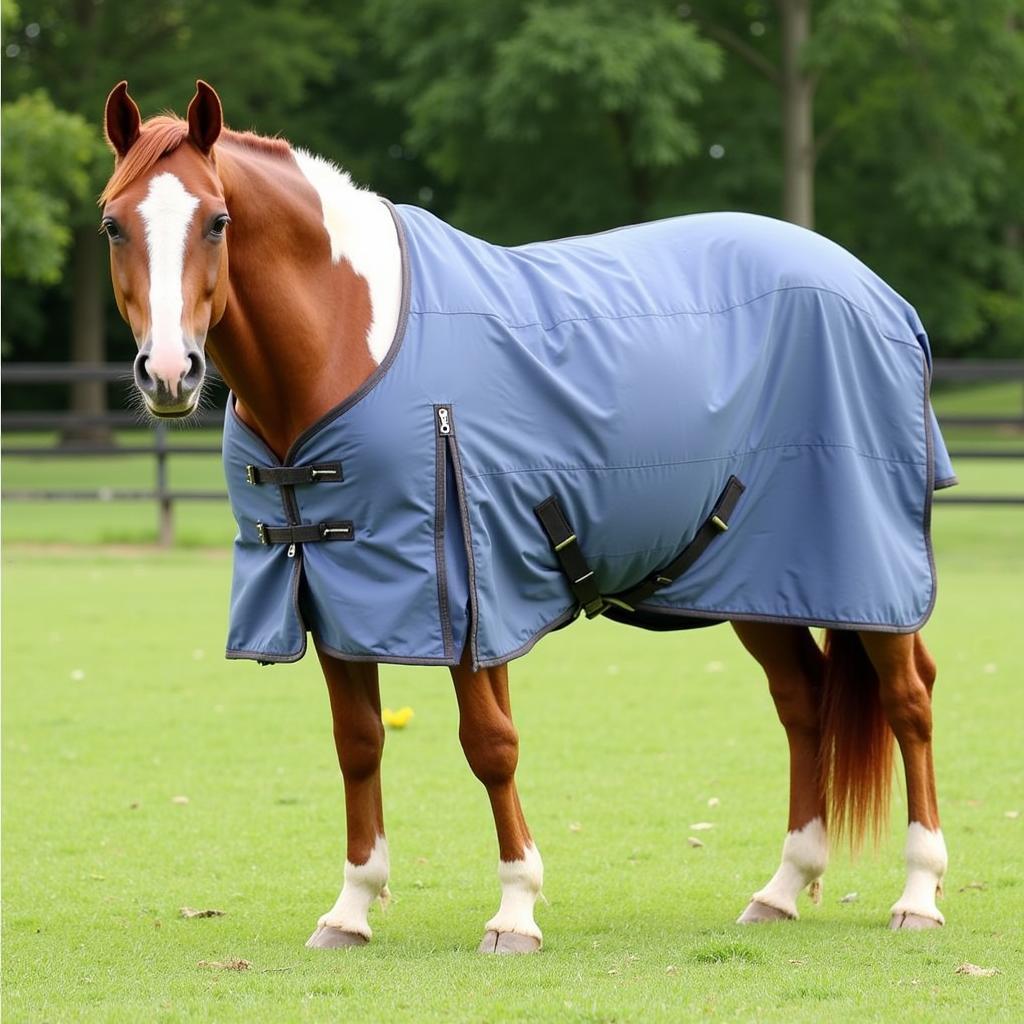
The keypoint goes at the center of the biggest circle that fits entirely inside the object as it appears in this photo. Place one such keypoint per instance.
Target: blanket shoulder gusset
(630, 374)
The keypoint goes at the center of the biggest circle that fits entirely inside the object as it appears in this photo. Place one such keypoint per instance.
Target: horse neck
(313, 293)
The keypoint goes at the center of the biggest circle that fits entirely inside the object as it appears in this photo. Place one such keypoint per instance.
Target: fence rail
(161, 450)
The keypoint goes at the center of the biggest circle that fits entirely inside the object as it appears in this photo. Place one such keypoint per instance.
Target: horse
(270, 261)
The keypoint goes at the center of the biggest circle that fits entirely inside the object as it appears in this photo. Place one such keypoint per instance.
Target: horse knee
(360, 747)
(492, 749)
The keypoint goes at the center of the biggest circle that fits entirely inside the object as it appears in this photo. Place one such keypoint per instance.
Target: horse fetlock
(364, 883)
(521, 882)
(804, 859)
(926, 865)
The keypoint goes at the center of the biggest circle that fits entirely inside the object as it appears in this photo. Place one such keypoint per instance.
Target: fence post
(165, 504)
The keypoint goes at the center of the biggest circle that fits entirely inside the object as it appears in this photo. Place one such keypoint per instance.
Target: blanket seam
(688, 462)
(663, 315)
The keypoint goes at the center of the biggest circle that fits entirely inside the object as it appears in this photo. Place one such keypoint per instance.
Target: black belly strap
(567, 550)
(581, 578)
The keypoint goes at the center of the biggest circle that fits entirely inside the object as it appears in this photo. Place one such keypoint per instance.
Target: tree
(546, 117)
(903, 118)
(922, 150)
(49, 157)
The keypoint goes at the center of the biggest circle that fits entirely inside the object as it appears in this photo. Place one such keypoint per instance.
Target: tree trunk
(797, 115)
(88, 334)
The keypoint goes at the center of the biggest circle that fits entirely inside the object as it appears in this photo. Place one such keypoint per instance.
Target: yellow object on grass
(396, 719)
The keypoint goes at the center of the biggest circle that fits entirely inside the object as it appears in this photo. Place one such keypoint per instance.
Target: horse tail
(855, 757)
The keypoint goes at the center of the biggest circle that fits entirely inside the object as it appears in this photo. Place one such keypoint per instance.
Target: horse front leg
(906, 675)
(359, 738)
(491, 744)
(794, 666)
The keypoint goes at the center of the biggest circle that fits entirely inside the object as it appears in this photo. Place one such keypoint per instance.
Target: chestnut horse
(296, 318)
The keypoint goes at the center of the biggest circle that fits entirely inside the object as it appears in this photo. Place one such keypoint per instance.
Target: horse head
(166, 219)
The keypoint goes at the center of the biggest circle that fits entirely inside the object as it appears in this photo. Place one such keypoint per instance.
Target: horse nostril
(196, 368)
(143, 378)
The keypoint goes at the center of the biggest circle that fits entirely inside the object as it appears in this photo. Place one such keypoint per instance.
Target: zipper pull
(291, 550)
(444, 420)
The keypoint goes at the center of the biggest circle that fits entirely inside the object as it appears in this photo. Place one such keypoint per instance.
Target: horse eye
(110, 226)
(220, 222)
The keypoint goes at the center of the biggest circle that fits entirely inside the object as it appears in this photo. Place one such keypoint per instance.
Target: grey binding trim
(467, 540)
(929, 490)
(440, 516)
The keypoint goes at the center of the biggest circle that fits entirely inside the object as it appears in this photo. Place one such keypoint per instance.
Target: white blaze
(167, 212)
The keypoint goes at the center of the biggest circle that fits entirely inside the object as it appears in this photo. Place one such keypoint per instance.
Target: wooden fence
(162, 450)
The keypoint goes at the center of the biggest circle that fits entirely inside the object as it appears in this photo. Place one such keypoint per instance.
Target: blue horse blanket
(630, 374)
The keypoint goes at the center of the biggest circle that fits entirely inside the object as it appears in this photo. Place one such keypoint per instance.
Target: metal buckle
(314, 473)
(720, 523)
(571, 539)
(250, 475)
(585, 576)
(344, 530)
(663, 581)
(261, 533)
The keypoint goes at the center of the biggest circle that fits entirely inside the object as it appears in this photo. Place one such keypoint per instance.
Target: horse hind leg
(491, 745)
(794, 666)
(906, 674)
(359, 737)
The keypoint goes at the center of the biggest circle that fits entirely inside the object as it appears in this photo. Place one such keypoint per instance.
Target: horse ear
(205, 118)
(121, 120)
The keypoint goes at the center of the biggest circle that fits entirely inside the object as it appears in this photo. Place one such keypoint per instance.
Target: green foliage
(534, 118)
(546, 117)
(919, 116)
(48, 159)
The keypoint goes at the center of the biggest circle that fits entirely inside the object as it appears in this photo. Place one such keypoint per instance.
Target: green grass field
(116, 700)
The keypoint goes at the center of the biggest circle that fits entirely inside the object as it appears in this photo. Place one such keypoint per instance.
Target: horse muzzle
(170, 385)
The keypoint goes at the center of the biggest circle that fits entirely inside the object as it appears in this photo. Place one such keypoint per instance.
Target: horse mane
(162, 135)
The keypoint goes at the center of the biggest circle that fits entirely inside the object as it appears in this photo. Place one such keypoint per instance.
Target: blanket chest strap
(308, 533)
(314, 473)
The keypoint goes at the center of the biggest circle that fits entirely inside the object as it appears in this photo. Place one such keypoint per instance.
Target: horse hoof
(761, 913)
(912, 923)
(508, 942)
(328, 937)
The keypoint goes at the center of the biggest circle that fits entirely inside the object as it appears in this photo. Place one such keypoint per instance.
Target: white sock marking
(926, 865)
(360, 230)
(363, 884)
(167, 212)
(521, 882)
(804, 859)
